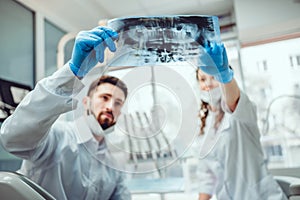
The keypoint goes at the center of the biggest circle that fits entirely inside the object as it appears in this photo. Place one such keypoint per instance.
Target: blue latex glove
(215, 62)
(89, 49)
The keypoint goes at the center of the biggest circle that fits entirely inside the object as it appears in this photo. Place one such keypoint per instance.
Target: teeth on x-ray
(165, 39)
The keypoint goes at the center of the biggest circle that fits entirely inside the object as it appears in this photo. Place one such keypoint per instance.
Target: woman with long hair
(231, 164)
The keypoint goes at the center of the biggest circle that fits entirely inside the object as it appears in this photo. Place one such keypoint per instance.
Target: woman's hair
(204, 110)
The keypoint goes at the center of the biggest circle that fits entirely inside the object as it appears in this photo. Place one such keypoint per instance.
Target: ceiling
(76, 15)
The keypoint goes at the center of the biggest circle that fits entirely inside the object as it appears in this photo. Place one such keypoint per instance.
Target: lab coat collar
(212, 136)
(95, 127)
(225, 123)
(84, 133)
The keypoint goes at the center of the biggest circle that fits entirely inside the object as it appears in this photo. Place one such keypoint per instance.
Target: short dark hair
(108, 79)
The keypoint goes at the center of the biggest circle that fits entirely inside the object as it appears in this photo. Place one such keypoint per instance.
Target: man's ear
(86, 102)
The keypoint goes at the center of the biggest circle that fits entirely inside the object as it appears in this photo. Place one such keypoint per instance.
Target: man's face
(106, 103)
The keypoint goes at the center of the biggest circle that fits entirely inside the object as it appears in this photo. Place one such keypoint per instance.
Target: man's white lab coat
(62, 157)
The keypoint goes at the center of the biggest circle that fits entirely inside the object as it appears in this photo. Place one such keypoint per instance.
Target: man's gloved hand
(89, 49)
(215, 62)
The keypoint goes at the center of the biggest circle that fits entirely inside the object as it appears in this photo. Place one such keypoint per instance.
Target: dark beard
(105, 124)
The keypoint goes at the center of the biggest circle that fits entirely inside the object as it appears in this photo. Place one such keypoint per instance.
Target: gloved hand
(89, 49)
(215, 62)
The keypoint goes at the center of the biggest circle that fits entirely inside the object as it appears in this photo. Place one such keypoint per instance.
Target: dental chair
(16, 186)
(290, 186)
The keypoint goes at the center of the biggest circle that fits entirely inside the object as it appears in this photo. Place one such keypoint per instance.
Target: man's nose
(109, 105)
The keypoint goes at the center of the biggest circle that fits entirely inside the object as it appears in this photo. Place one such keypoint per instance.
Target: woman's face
(206, 82)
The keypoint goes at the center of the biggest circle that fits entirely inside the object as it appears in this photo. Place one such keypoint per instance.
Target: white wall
(60, 17)
(264, 19)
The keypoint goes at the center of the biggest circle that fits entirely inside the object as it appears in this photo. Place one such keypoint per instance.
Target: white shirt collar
(84, 133)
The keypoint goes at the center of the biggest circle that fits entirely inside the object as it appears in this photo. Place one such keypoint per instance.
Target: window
(295, 61)
(271, 74)
(262, 66)
(17, 42)
(52, 36)
(17, 57)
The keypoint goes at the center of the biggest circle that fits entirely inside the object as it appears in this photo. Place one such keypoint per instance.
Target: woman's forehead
(202, 74)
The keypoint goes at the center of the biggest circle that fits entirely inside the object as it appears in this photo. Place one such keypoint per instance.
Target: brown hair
(204, 110)
(108, 79)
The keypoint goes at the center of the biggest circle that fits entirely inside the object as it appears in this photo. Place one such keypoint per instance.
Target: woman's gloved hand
(89, 49)
(215, 62)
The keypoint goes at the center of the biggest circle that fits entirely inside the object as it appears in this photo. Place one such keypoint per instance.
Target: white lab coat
(234, 168)
(62, 157)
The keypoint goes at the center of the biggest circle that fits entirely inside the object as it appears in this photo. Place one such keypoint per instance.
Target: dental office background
(268, 70)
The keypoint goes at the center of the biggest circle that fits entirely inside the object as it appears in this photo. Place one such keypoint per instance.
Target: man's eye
(118, 104)
(105, 98)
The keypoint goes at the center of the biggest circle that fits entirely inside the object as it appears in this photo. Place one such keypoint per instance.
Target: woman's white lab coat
(64, 158)
(235, 168)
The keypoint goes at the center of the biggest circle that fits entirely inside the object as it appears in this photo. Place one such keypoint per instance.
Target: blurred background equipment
(263, 49)
(11, 94)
